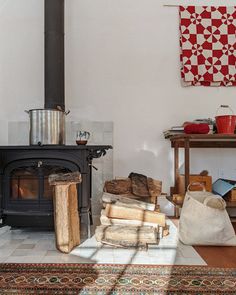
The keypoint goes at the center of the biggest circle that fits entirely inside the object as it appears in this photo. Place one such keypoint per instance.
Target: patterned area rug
(115, 279)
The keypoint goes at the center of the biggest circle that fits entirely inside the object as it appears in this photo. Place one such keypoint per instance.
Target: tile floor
(34, 246)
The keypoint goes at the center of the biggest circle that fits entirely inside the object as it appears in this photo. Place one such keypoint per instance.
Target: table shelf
(188, 141)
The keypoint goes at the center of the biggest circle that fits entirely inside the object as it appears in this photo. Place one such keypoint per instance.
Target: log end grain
(65, 178)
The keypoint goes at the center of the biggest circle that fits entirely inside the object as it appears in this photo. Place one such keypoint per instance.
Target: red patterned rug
(114, 279)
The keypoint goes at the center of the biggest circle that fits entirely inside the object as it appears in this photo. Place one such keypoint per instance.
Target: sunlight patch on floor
(35, 246)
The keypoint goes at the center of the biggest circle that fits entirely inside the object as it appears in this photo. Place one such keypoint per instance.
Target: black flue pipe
(54, 54)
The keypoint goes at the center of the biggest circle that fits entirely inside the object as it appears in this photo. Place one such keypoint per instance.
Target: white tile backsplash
(18, 133)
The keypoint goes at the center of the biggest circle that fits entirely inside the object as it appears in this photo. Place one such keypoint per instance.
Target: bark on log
(113, 221)
(139, 185)
(127, 234)
(118, 186)
(66, 217)
(122, 212)
(154, 187)
(65, 178)
(166, 230)
(125, 244)
(111, 198)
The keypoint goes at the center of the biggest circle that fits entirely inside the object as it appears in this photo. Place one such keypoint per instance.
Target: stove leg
(89, 228)
(85, 218)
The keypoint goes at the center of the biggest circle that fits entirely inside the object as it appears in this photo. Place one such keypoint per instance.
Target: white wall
(21, 60)
(122, 65)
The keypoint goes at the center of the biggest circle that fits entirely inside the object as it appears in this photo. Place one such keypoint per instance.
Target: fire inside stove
(31, 183)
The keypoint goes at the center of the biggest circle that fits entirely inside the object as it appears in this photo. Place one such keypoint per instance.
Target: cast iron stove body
(25, 195)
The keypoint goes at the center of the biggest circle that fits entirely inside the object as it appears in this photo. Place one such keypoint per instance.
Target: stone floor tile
(27, 252)
(26, 246)
(45, 245)
(51, 259)
(24, 259)
(86, 253)
(4, 229)
(30, 241)
(68, 258)
(12, 244)
(6, 252)
(3, 259)
(53, 253)
(189, 261)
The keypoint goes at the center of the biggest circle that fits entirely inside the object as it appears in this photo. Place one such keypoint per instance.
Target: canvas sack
(201, 224)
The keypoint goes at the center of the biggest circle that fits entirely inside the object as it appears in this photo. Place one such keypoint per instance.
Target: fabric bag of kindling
(205, 221)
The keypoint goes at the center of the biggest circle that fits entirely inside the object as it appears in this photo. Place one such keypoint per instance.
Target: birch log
(127, 234)
(111, 198)
(113, 221)
(122, 212)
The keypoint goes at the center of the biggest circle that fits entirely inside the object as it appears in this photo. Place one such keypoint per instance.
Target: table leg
(186, 162)
(177, 211)
(176, 165)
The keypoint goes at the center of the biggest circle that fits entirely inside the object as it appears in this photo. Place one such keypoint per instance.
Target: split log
(154, 188)
(113, 221)
(122, 212)
(139, 185)
(125, 244)
(118, 186)
(66, 215)
(111, 198)
(127, 234)
(166, 230)
(64, 178)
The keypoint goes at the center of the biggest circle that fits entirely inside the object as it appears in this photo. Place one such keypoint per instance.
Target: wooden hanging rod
(171, 5)
(177, 5)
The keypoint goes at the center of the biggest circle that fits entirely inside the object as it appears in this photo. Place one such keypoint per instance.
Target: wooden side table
(188, 141)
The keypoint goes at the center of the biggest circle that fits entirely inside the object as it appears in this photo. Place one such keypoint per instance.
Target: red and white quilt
(208, 45)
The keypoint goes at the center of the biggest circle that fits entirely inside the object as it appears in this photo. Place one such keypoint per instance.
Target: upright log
(66, 215)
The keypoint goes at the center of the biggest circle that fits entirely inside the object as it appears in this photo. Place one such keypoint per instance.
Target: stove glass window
(31, 182)
(24, 184)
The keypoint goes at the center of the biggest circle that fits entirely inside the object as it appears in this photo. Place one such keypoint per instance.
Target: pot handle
(224, 106)
(67, 112)
(27, 112)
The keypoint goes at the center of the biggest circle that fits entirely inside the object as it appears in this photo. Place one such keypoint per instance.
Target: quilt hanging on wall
(208, 45)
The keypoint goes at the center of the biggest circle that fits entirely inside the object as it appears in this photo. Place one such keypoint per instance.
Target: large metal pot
(47, 126)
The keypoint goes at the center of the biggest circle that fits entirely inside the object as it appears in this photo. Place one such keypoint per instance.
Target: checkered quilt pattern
(208, 45)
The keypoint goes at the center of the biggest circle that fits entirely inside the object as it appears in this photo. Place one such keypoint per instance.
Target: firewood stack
(131, 216)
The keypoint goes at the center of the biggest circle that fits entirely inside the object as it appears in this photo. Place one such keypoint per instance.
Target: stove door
(26, 187)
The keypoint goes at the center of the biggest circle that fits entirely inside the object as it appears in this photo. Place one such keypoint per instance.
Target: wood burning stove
(25, 195)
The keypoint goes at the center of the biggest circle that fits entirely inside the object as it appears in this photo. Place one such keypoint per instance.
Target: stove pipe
(54, 55)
